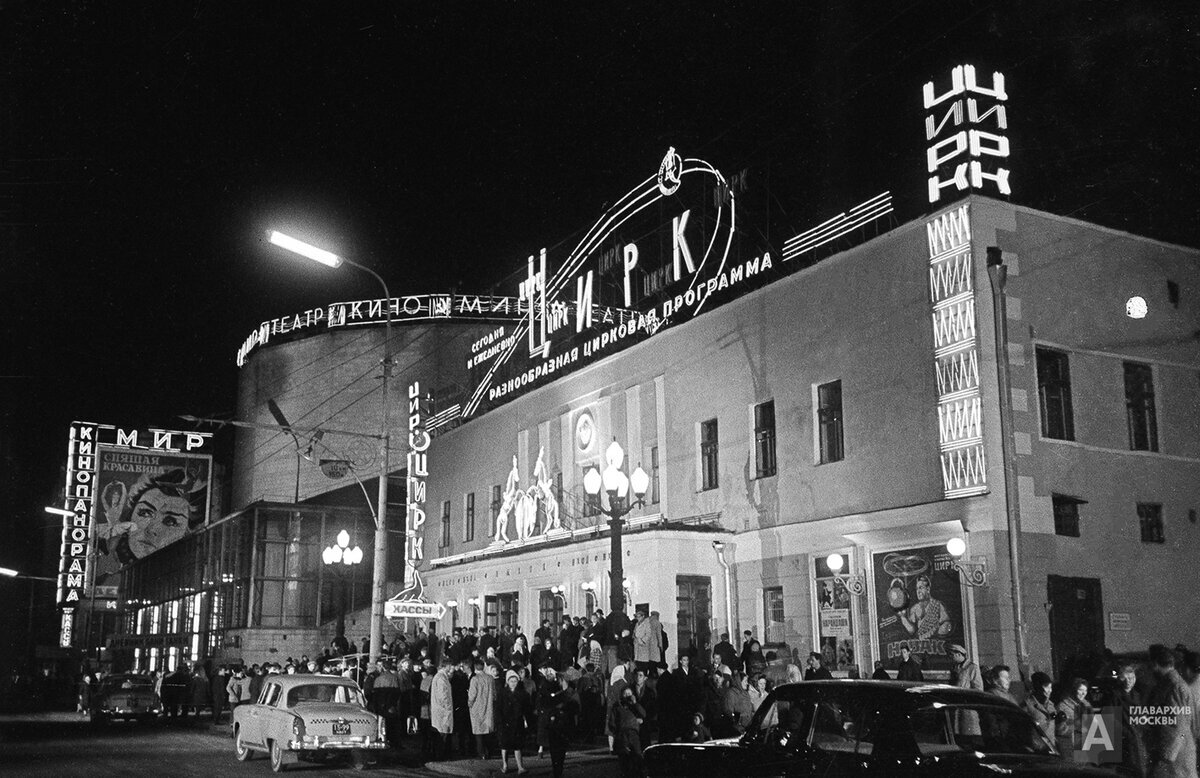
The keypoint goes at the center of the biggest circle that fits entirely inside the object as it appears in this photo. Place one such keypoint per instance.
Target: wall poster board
(918, 601)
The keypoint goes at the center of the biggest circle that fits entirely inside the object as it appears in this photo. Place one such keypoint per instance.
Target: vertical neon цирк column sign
(418, 470)
(956, 354)
(966, 159)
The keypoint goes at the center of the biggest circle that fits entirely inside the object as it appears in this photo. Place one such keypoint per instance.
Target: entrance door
(1076, 623)
(693, 605)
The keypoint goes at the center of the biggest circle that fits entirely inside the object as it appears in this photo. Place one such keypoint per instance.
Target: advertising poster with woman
(146, 500)
(918, 603)
(835, 618)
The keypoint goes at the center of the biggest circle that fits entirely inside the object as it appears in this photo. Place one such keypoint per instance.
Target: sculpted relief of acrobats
(507, 501)
(522, 505)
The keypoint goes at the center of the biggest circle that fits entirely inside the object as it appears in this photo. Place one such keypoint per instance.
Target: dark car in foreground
(867, 728)
(125, 696)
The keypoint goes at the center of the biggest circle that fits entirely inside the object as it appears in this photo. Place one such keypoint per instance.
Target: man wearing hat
(965, 675)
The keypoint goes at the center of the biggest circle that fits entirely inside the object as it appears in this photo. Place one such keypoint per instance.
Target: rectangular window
(1139, 407)
(773, 615)
(764, 439)
(1151, 521)
(709, 475)
(500, 609)
(1066, 515)
(444, 540)
(550, 608)
(469, 518)
(1054, 394)
(654, 475)
(829, 422)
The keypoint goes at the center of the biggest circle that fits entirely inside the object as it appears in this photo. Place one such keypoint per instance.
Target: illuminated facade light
(1136, 307)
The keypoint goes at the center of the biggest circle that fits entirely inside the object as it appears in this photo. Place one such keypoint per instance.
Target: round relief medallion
(585, 431)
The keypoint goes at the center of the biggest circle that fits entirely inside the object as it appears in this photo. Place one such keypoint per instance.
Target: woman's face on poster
(159, 520)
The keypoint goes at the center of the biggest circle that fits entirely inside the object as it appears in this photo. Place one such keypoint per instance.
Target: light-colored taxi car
(125, 696)
(307, 717)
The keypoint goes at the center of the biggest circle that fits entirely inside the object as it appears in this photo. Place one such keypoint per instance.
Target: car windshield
(324, 692)
(127, 683)
(989, 729)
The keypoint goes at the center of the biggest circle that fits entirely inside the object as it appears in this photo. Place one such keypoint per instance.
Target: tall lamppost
(340, 557)
(617, 484)
(379, 576)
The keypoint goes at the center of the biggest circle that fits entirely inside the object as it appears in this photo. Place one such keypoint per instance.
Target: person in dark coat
(880, 673)
(257, 676)
(816, 668)
(1170, 745)
(200, 695)
(511, 709)
(910, 668)
(625, 720)
(728, 654)
(670, 724)
(646, 696)
(556, 714)
(568, 643)
(714, 706)
(753, 661)
(175, 689)
(488, 640)
(1125, 695)
(217, 685)
(546, 655)
(460, 691)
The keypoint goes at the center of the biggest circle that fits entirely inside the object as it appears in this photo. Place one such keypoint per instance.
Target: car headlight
(382, 728)
(297, 728)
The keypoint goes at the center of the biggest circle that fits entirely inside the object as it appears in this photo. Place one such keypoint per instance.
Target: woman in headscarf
(512, 707)
(616, 685)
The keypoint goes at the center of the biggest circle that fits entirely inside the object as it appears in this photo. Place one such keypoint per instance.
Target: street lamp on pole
(617, 485)
(339, 557)
(379, 576)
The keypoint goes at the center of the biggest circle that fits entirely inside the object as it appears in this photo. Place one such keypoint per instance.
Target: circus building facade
(974, 425)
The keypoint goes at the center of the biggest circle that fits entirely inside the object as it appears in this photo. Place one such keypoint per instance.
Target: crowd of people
(1156, 701)
(486, 694)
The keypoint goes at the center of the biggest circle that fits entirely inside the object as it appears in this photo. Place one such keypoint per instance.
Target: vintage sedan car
(125, 696)
(863, 728)
(307, 717)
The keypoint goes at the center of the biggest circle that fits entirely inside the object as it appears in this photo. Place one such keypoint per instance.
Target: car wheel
(277, 764)
(239, 748)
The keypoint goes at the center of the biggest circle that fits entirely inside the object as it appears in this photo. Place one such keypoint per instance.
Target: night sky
(145, 148)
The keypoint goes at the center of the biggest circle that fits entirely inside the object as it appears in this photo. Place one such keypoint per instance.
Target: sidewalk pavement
(481, 768)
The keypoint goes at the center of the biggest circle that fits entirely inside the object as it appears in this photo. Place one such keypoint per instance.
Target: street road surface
(62, 745)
